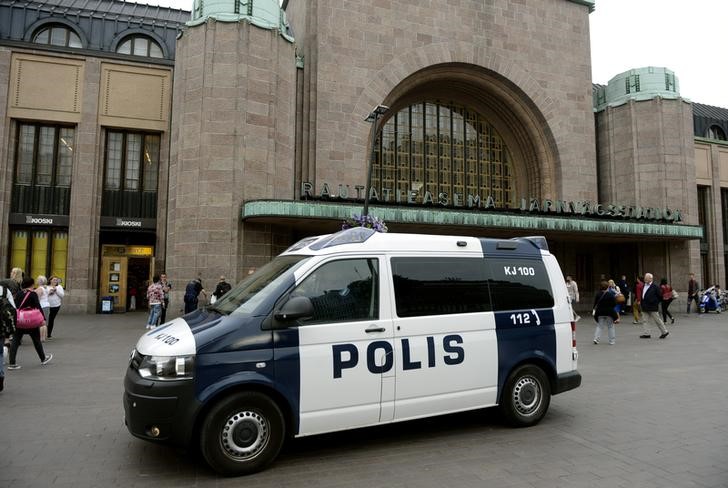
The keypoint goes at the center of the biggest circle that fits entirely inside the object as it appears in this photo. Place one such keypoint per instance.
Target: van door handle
(375, 329)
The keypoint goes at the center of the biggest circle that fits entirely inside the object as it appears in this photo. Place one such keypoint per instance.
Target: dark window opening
(131, 174)
(518, 283)
(342, 291)
(440, 286)
(140, 46)
(57, 35)
(43, 168)
(715, 132)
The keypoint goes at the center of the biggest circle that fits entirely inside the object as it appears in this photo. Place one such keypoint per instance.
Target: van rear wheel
(242, 434)
(526, 396)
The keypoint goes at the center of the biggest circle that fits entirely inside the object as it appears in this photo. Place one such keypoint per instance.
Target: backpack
(7, 315)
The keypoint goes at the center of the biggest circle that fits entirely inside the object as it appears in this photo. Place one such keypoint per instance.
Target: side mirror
(294, 309)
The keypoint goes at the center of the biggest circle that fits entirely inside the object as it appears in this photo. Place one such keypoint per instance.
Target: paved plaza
(649, 413)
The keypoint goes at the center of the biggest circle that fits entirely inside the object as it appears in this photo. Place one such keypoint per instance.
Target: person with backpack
(28, 301)
(192, 292)
(7, 326)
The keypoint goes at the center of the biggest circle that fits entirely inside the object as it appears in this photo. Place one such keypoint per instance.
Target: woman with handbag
(667, 298)
(30, 318)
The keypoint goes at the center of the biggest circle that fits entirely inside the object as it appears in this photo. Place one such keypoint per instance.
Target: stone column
(6, 161)
(232, 140)
(83, 231)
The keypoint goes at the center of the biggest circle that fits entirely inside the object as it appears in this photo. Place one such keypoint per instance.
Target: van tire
(242, 434)
(526, 396)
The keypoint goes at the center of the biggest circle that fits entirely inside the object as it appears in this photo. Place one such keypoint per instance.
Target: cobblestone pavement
(650, 413)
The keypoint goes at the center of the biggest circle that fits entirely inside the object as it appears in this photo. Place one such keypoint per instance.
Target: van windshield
(246, 295)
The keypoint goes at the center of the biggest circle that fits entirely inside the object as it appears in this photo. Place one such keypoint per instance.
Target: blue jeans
(155, 311)
(608, 322)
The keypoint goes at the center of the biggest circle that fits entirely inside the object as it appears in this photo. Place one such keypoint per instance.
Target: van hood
(174, 338)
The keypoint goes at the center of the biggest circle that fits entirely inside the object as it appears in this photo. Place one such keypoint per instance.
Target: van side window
(518, 283)
(440, 286)
(342, 291)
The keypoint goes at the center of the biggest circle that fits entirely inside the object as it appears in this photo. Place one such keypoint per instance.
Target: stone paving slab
(650, 413)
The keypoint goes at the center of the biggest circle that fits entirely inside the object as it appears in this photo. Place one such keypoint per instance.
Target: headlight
(166, 368)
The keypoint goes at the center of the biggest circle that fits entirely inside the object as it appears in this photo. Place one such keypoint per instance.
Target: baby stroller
(710, 300)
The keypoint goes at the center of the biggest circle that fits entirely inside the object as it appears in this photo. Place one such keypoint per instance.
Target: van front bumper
(567, 381)
(159, 411)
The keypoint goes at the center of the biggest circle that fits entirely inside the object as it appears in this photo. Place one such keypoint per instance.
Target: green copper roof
(433, 216)
(266, 14)
(637, 84)
(589, 3)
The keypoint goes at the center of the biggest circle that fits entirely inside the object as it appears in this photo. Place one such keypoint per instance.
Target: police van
(355, 329)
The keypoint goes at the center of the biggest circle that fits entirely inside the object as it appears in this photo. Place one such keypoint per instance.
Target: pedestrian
(720, 299)
(693, 293)
(166, 288)
(41, 289)
(651, 298)
(221, 288)
(667, 298)
(624, 287)
(132, 298)
(13, 283)
(573, 290)
(618, 296)
(192, 293)
(29, 300)
(55, 298)
(637, 301)
(155, 297)
(605, 313)
(7, 326)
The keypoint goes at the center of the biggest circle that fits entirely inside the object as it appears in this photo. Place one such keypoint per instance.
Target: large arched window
(441, 151)
(57, 35)
(140, 46)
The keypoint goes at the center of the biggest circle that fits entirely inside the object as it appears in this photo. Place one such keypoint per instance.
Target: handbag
(675, 294)
(29, 318)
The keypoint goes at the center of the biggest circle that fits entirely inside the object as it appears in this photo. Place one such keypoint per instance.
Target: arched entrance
(445, 153)
(459, 126)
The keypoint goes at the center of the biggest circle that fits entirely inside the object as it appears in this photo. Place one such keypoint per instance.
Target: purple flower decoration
(368, 221)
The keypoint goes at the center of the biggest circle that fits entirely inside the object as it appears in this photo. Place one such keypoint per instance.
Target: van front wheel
(242, 434)
(526, 396)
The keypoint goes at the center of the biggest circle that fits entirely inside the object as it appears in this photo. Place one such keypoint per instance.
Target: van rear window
(518, 283)
(440, 286)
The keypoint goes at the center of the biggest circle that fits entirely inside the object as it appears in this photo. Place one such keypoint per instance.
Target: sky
(687, 37)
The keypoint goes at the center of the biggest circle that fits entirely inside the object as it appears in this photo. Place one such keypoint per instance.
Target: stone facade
(645, 156)
(525, 63)
(232, 141)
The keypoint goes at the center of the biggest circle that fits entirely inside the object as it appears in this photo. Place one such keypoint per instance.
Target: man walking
(693, 288)
(651, 298)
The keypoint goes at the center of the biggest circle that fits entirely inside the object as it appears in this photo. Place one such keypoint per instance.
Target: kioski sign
(476, 202)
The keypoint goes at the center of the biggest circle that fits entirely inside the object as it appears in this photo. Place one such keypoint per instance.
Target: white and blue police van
(356, 329)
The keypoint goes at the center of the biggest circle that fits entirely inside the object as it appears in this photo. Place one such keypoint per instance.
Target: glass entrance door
(126, 272)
